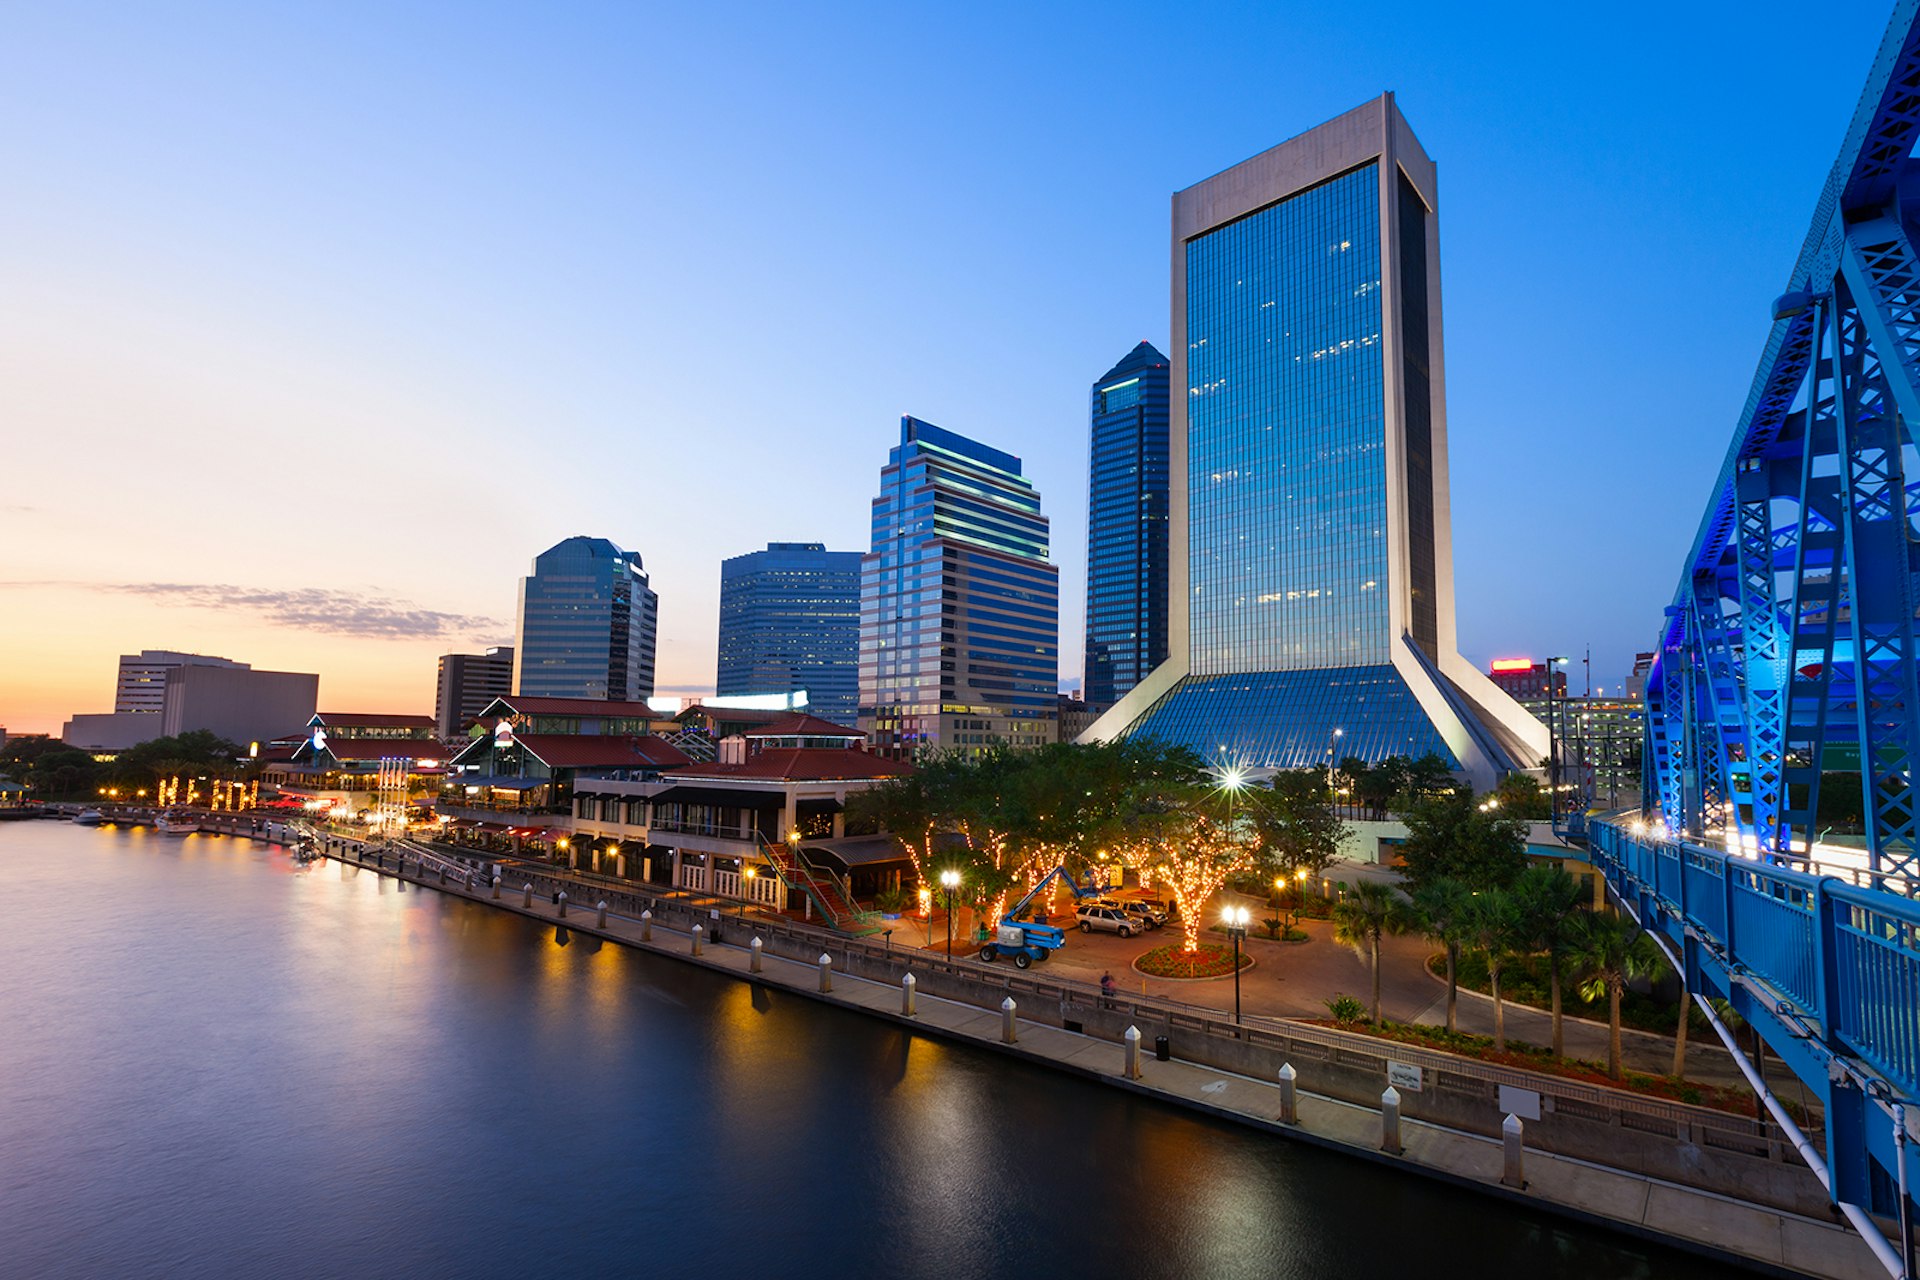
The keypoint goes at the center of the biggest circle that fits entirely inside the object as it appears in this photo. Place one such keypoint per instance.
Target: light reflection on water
(215, 1062)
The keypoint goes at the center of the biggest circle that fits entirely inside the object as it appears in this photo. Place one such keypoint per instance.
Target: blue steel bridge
(1787, 663)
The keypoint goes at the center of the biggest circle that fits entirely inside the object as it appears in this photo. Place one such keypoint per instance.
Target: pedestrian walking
(1106, 990)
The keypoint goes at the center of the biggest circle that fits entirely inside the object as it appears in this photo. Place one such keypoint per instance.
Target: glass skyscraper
(1311, 564)
(588, 621)
(790, 620)
(959, 605)
(1127, 527)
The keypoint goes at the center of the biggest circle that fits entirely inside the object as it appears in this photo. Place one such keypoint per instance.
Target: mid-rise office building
(466, 684)
(790, 621)
(161, 694)
(1311, 558)
(1127, 504)
(959, 605)
(142, 684)
(587, 624)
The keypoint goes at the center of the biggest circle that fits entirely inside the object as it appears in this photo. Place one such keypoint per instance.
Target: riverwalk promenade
(1760, 1236)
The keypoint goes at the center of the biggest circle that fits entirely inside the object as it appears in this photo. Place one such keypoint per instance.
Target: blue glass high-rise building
(1311, 564)
(790, 620)
(588, 622)
(1127, 526)
(959, 605)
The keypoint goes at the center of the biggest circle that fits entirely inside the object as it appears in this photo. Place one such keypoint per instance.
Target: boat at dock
(176, 824)
(89, 817)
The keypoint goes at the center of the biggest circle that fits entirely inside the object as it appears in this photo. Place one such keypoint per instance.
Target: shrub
(1346, 1010)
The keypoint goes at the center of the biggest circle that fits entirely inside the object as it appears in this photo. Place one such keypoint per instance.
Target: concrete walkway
(1676, 1215)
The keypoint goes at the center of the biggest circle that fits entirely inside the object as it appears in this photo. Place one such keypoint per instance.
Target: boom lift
(1024, 940)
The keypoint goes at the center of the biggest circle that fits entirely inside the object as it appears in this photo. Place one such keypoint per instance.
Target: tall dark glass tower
(959, 605)
(1127, 527)
(790, 620)
(1311, 562)
(587, 625)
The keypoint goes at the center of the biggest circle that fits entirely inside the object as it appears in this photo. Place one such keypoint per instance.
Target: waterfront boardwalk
(1768, 1239)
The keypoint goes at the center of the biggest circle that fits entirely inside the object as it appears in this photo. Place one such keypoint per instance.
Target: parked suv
(1147, 915)
(1110, 919)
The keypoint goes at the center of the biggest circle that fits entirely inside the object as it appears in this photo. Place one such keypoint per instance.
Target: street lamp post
(1236, 922)
(747, 874)
(951, 881)
(1333, 744)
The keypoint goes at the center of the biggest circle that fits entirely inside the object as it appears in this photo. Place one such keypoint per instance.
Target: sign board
(1403, 1077)
(1524, 1103)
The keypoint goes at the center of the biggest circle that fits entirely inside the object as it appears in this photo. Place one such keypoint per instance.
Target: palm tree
(1492, 926)
(1360, 919)
(1441, 909)
(1610, 953)
(1548, 903)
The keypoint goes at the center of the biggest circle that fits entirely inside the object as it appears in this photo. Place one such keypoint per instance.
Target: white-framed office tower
(1311, 565)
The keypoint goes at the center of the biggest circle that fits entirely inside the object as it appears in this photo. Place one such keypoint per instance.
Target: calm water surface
(216, 1063)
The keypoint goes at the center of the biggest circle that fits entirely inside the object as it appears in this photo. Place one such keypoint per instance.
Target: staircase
(829, 895)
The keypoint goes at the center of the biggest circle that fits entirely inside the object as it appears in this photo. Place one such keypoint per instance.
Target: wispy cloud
(346, 613)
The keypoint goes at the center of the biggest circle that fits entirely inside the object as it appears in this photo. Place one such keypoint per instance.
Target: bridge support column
(907, 985)
(754, 950)
(1289, 1094)
(1511, 1132)
(1008, 1034)
(1390, 1121)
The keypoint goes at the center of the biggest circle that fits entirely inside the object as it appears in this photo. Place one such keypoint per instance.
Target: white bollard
(1007, 1034)
(602, 921)
(1390, 1121)
(526, 895)
(698, 933)
(563, 906)
(1131, 1068)
(496, 888)
(826, 972)
(1511, 1134)
(1289, 1095)
(470, 882)
(646, 926)
(907, 985)
(754, 949)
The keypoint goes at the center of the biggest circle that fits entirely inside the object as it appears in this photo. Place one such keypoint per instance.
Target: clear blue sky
(379, 301)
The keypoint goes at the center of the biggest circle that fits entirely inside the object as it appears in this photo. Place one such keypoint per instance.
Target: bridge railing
(1847, 957)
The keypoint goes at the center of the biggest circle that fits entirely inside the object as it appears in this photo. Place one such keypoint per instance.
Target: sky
(317, 323)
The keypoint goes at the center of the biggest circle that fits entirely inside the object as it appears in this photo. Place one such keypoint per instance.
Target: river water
(214, 1062)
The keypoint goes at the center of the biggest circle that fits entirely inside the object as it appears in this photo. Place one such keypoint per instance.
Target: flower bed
(1532, 1058)
(1175, 961)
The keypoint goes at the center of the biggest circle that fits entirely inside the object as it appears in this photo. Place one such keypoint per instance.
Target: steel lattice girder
(1838, 573)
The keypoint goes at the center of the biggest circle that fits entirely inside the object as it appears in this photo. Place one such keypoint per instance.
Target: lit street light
(950, 879)
(1236, 922)
(1333, 744)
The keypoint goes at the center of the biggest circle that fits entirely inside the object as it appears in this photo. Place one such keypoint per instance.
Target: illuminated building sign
(1512, 664)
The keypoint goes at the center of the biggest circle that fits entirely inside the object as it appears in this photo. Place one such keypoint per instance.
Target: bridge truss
(1787, 662)
(1789, 648)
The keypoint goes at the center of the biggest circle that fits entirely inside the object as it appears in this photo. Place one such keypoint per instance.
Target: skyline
(198, 251)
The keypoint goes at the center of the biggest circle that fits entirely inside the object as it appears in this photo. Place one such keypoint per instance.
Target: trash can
(1162, 1050)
